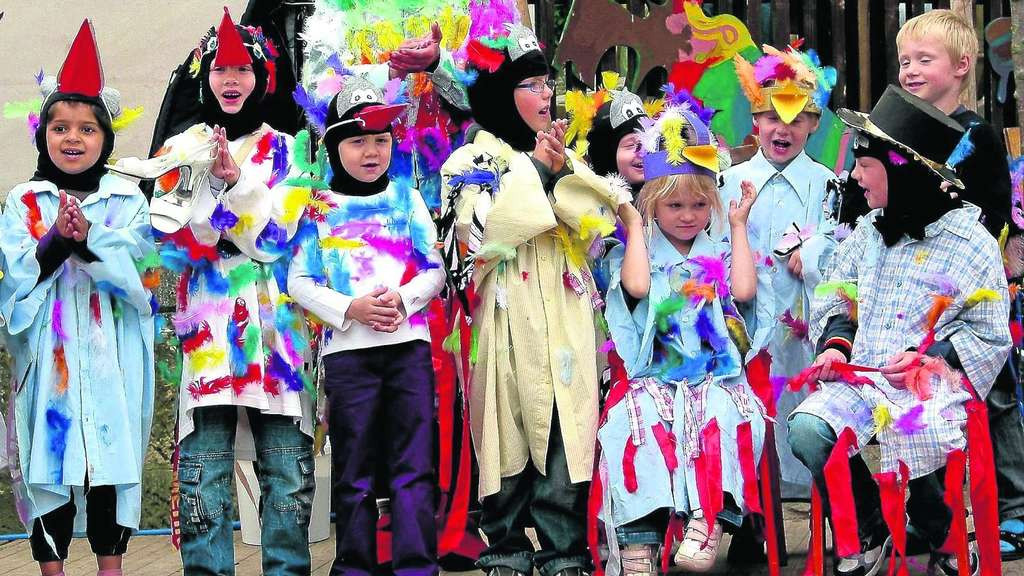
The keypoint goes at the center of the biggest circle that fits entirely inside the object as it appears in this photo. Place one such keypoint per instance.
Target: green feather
(14, 110)
(242, 277)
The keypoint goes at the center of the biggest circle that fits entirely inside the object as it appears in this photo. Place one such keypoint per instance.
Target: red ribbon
(892, 489)
(771, 535)
(840, 495)
(816, 547)
(709, 473)
(759, 379)
(748, 467)
(956, 540)
(594, 502)
(983, 486)
(629, 466)
(673, 533)
(454, 530)
(667, 443)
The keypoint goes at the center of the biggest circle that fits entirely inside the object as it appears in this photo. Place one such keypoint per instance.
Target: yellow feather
(654, 107)
(982, 295)
(295, 204)
(205, 358)
(883, 418)
(334, 243)
(581, 110)
(572, 252)
(193, 67)
(610, 80)
(1004, 235)
(672, 132)
(127, 117)
(245, 221)
(591, 224)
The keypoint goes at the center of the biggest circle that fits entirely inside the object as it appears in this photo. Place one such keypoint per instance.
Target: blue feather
(316, 110)
(963, 149)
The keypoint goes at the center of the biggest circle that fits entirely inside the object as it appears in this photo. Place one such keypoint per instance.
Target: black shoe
(945, 564)
(574, 571)
(870, 559)
(503, 571)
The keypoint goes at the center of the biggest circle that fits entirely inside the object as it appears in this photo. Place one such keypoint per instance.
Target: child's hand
(896, 370)
(550, 147)
(417, 54)
(63, 222)
(795, 264)
(393, 299)
(224, 166)
(370, 310)
(740, 211)
(79, 223)
(630, 216)
(823, 364)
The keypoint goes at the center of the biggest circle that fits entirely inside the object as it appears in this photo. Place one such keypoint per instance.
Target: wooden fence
(858, 37)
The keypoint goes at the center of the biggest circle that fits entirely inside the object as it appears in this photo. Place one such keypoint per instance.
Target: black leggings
(106, 537)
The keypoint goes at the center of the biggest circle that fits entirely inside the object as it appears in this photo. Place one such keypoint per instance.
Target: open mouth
(914, 86)
(545, 111)
(371, 166)
(231, 96)
(72, 153)
(780, 146)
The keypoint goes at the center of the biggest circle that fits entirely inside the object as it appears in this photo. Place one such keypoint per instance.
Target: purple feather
(222, 219)
(316, 111)
(334, 61)
(765, 68)
(684, 98)
(39, 77)
(58, 321)
(944, 284)
(707, 332)
(280, 169)
(713, 272)
(778, 386)
(282, 372)
(272, 236)
(911, 422)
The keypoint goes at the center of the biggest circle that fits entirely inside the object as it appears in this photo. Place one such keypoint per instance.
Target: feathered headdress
(679, 141)
(789, 82)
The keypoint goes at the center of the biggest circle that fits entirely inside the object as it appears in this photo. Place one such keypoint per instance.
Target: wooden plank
(969, 97)
(892, 26)
(864, 54)
(780, 22)
(753, 20)
(838, 30)
(810, 31)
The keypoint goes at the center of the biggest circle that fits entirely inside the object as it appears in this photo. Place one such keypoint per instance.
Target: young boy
(791, 224)
(917, 247)
(937, 52)
(77, 298)
(520, 203)
(368, 274)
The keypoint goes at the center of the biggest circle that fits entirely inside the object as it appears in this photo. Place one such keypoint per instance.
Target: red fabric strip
(759, 377)
(840, 495)
(667, 443)
(629, 466)
(892, 489)
(455, 525)
(748, 467)
(956, 541)
(771, 535)
(816, 548)
(709, 472)
(983, 487)
(594, 503)
(672, 534)
(444, 368)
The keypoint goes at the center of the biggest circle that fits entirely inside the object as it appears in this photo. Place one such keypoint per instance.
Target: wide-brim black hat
(924, 132)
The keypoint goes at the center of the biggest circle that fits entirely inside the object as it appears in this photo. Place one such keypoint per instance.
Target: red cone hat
(82, 72)
(230, 48)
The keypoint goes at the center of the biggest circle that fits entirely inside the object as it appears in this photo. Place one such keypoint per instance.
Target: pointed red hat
(82, 72)
(230, 48)
(377, 118)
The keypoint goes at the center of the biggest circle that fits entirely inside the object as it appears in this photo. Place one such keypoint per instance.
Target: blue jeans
(812, 440)
(284, 465)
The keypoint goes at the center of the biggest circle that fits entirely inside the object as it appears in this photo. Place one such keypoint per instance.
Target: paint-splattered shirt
(81, 340)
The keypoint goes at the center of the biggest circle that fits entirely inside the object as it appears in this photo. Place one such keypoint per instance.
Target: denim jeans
(812, 440)
(552, 504)
(284, 465)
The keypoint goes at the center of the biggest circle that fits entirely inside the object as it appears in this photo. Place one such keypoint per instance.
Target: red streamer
(667, 443)
(758, 376)
(771, 534)
(709, 473)
(892, 489)
(748, 467)
(983, 486)
(840, 495)
(956, 541)
(594, 501)
(815, 553)
(629, 467)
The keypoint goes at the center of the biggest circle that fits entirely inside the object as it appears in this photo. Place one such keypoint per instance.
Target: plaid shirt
(896, 286)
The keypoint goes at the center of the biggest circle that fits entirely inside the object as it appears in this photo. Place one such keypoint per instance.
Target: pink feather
(713, 271)
(943, 283)
(766, 68)
(797, 328)
(58, 321)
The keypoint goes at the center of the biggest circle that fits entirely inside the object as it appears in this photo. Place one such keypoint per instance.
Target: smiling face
(74, 138)
(533, 101)
(782, 142)
(871, 175)
(366, 157)
(928, 71)
(232, 85)
(628, 160)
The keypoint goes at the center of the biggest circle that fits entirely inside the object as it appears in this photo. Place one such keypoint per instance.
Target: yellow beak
(789, 101)
(705, 156)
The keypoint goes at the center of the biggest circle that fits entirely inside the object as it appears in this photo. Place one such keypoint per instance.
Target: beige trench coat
(536, 332)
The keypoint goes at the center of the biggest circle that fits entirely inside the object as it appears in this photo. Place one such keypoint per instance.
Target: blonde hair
(699, 186)
(956, 34)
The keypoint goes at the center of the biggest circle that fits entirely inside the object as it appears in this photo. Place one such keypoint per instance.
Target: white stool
(248, 489)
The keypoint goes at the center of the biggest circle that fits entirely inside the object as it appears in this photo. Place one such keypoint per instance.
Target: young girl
(76, 297)
(667, 309)
(369, 275)
(243, 340)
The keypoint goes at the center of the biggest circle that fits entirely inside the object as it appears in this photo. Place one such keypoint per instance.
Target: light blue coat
(697, 394)
(98, 430)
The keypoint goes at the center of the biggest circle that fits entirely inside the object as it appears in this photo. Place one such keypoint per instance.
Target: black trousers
(106, 537)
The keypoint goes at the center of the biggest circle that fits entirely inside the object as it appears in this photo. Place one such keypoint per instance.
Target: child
(521, 203)
(369, 277)
(667, 309)
(244, 342)
(937, 51)
(76, 296)
(917, 265)
(606, 123)
(791, 223)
